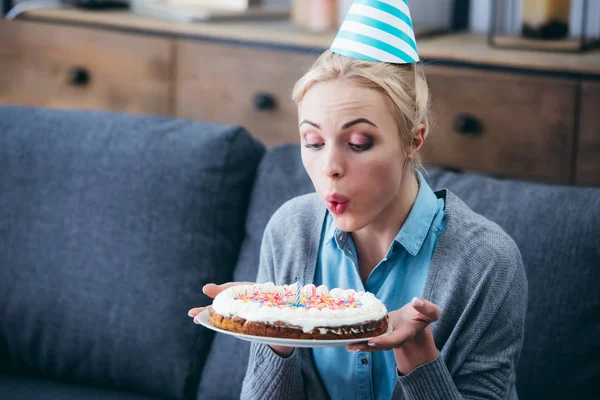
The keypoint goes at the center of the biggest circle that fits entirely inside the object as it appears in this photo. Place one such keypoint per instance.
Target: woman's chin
(346, 222)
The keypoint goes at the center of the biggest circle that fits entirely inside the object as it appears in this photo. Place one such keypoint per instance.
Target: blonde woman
(453, 281)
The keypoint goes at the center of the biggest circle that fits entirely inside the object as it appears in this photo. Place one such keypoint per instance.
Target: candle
(298, 288)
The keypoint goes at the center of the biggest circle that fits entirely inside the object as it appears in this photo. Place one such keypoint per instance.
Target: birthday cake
(294, 312)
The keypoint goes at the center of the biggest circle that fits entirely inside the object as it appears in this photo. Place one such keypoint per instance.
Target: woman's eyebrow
(358, 121)
(346, 125)
(310, 123)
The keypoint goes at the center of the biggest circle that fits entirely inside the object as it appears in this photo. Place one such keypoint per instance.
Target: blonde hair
(404, 85)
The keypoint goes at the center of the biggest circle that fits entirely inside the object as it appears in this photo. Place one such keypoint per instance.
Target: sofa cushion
(280, 177)
(557, 230)
(33, 388)
(109, 226)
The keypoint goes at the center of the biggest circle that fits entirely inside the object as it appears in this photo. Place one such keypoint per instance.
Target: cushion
(556, 229)
(110, 225)
(280, 177)
(34, 388)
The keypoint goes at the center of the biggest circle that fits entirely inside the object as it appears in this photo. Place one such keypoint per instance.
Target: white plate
(204, 319)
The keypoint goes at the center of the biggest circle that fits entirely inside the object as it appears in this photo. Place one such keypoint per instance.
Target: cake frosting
(319, 310)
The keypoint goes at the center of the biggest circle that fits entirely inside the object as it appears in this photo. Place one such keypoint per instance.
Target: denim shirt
(399, 277)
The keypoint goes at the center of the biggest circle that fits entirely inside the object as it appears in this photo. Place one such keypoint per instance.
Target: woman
(454, 281)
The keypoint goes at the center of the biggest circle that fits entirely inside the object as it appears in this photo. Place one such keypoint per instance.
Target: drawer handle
(78, 76)
(468, 125)
(265, 101)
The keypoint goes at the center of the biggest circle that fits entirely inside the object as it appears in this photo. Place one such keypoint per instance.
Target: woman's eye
(313, 145)
(360, 146)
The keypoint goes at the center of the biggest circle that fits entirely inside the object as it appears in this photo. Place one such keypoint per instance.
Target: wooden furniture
(507, 124)
(508, 113)
(241, 85)
(66, 67)
(588, 146)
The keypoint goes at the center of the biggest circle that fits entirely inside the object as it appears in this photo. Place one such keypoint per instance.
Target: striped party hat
(378, 30)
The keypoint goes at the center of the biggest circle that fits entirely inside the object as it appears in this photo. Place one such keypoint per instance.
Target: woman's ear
(418, 139)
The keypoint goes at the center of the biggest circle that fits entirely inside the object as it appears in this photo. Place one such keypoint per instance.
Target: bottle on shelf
(299, 12)
(546, 19)
(322, 15)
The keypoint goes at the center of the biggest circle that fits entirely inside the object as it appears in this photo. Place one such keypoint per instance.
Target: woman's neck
(373, 241)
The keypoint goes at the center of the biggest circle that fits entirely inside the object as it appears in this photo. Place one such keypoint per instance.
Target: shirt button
(364, 360)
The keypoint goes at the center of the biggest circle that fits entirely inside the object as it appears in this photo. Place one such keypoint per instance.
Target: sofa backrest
(109, 227)
(280, 177)
(557, 230)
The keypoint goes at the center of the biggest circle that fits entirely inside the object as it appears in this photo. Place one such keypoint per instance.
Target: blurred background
(515, 83)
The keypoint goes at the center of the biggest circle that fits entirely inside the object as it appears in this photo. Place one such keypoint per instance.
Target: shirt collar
(419, 220)
(415, 228)
(333, 232)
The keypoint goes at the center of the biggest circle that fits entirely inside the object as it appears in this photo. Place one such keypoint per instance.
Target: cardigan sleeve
(488, 369)
(270, 376)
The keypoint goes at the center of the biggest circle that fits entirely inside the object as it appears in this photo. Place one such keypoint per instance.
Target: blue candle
(298, 287)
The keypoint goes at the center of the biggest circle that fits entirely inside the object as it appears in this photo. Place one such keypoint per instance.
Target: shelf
(464, 48)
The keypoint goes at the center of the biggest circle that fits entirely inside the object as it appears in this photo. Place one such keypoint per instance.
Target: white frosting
(370, 309)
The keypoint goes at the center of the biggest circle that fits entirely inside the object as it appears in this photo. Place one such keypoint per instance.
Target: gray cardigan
(476, 278)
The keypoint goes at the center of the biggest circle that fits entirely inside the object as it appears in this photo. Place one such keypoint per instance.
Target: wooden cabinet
(588, 153)
(517, 114)
(502, 124)
(66, 67)
(241, 85)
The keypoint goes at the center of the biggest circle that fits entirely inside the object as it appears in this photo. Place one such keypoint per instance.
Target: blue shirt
(399, 277)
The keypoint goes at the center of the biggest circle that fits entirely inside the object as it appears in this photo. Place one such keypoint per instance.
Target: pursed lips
(337, 203)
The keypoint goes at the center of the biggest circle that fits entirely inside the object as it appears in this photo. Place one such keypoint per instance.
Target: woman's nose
(333, 165)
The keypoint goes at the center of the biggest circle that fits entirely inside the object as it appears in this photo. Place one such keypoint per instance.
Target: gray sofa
(110, 224)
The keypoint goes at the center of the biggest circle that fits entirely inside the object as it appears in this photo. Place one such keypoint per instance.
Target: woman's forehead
(342, 97)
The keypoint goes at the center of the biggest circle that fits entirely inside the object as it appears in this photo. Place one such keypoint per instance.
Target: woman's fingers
(427, 312)
(408, 321)
(212, 290)
(195, 311)
(396, 338)
(359, 347)
(403, 331)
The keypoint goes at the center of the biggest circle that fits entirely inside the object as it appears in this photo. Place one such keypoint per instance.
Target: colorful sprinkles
(288, 299)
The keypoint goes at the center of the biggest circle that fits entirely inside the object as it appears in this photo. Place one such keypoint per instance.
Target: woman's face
(352, 152)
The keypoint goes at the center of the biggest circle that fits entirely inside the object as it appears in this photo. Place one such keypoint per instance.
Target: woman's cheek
(380, 178)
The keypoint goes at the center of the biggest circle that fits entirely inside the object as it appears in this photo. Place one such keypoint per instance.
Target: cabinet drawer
(506, 125)
(588, 154)
(241, 85)
(66, 67)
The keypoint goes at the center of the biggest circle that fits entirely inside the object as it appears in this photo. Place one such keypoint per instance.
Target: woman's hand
(212, 290)
(411, 337)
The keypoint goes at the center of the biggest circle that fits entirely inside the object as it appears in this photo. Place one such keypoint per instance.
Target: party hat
(378, 30)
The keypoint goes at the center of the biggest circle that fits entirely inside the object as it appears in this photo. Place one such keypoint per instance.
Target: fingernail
(417, 302)
(203, 290)
(196, 321)
(372, 344)
(190, 314)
